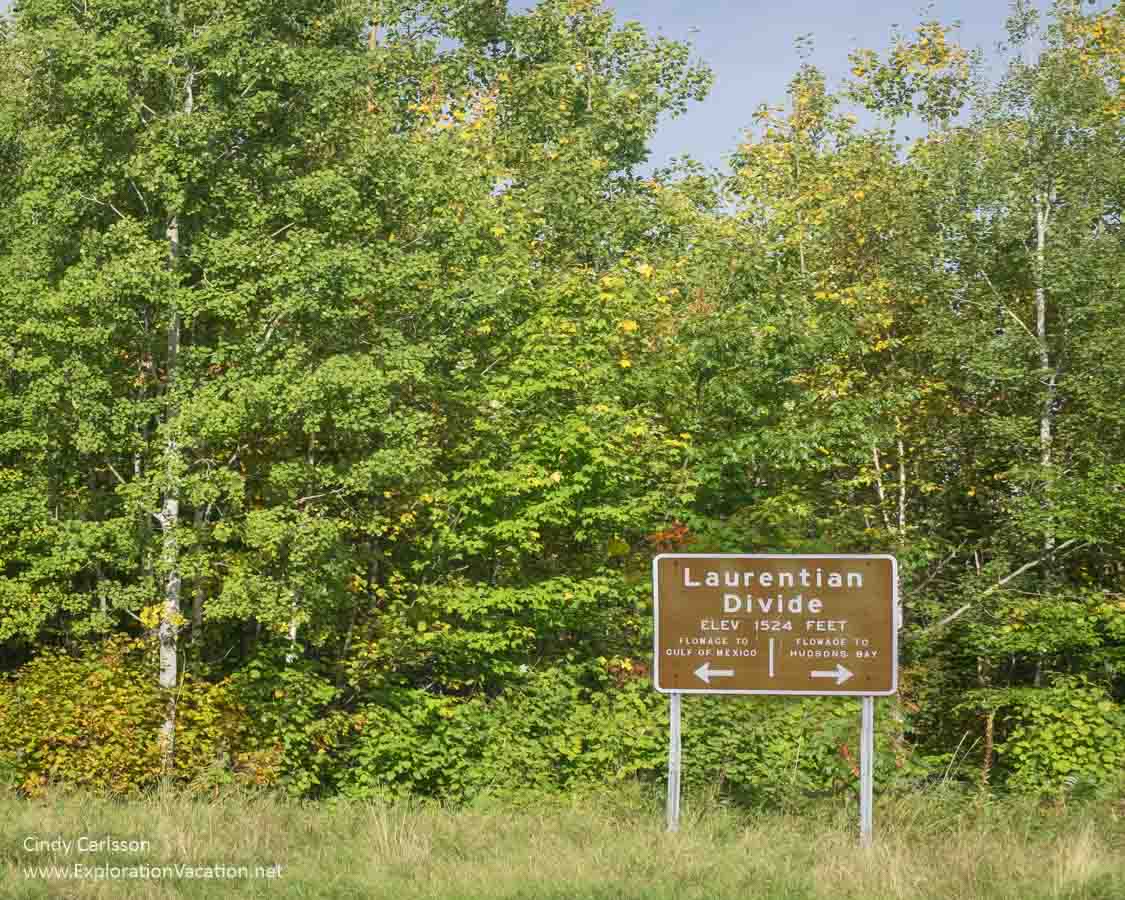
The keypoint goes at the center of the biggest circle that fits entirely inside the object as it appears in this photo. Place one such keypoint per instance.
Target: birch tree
(1021, 202)
(153, 151)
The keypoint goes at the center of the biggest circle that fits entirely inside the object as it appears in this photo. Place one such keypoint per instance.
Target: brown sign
(733, 623)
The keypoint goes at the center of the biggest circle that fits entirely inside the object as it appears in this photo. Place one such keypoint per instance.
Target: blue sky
(750, 47)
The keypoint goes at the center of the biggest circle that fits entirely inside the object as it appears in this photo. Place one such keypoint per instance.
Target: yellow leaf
(625, 362)
(628, 326)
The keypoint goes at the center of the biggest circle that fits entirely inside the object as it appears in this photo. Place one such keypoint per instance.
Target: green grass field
(607, 846)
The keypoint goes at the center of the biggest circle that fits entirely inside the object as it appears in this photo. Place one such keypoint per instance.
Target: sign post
(747, 623)
(674, 765)
(866, 770)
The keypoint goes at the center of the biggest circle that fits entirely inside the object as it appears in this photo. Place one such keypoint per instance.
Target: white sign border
(897, 613)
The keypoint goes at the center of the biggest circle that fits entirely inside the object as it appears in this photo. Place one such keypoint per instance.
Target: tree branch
(115, 472)
(269, 332)
(941, 565)
(140, 196)
(1004, 306)
(879, 486)
(301, 500)
(1003, 581)
(102, 203)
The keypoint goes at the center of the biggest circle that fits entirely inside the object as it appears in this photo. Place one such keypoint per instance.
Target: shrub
(1067, 735)
(93, 719)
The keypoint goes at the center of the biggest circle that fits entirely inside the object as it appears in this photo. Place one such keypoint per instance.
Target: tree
(263, 330)
(176, 162)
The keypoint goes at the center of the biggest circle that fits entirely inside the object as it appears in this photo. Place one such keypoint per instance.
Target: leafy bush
(1063, 736)
(551, 734)
(294, 724)
(566, 729)
(94, 719)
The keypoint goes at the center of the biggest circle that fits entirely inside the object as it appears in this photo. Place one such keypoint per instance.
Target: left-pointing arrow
(705, 673)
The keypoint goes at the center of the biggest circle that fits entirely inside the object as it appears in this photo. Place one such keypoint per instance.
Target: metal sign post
(674, 764)
(866, 770)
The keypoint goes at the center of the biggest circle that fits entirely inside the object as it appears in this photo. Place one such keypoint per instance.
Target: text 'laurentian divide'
(803, 577)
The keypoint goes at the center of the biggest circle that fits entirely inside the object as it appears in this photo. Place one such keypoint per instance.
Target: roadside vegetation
(939, 845)
(354, 366)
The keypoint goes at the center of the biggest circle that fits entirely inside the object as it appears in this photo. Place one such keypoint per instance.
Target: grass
(937, 846)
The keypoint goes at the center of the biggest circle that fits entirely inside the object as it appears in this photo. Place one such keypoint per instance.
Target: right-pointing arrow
(839, 673)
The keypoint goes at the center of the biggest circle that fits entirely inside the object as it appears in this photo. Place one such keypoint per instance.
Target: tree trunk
(800, 220)
(1048, 376)
(200, 519)
(169, 521)
(989, 747)
(291, 654)
(171, 619)
(901, 483)
(879, 486)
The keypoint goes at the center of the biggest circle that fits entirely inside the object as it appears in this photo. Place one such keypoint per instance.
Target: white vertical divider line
(771, 657)
(674, 764)
(867, 771)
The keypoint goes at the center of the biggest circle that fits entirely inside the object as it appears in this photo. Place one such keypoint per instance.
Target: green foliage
(92, 720)
(387, 451)
(781, 751)
(575, 728)
(1062, 737)
(553, 733)
(292, 726)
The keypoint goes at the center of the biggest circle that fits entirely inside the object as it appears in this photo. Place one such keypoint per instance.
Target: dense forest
(354, 365)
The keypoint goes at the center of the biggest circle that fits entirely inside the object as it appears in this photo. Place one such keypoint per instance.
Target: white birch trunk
(171, 617)
(879, 486)
(901, 488)
(170, 550)
(1048, 376)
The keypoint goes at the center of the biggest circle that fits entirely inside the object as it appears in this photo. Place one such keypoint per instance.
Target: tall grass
(938, 845)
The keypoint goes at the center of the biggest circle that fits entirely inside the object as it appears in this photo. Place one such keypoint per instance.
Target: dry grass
(928, 847)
